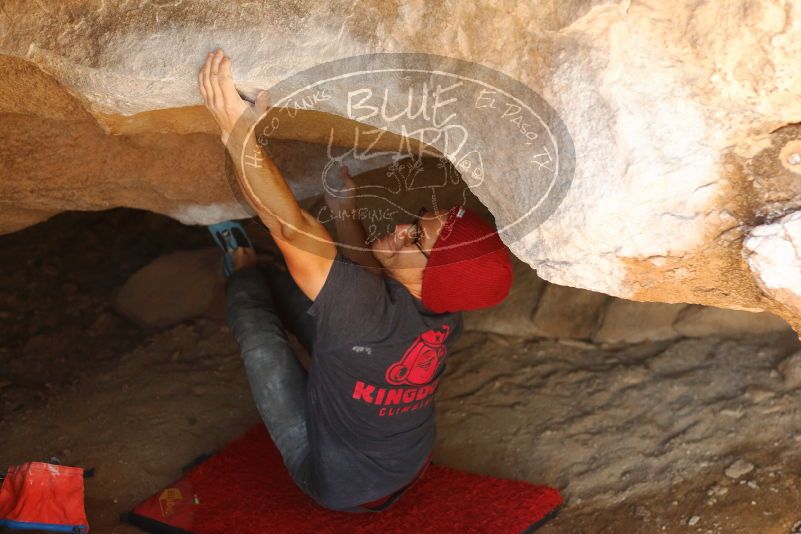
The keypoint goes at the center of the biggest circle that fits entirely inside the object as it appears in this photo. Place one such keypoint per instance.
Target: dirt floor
(639, 438)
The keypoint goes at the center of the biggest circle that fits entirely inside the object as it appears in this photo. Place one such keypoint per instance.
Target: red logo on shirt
(421, 359)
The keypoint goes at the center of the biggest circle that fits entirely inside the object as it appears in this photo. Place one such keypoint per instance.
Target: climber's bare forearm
(265, 187)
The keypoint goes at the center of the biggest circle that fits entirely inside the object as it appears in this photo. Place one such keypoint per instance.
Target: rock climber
(357, 428)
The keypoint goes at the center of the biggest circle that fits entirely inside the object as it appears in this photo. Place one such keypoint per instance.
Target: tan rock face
(568, 312)
(634, 322)
(172, 288)
(680, 113)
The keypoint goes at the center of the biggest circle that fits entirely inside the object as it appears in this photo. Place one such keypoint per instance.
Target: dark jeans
(260, 304)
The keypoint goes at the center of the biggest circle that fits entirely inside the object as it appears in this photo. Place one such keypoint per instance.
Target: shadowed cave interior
(115, 355)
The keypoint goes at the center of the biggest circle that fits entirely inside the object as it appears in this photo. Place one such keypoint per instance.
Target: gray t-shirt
(378, 356)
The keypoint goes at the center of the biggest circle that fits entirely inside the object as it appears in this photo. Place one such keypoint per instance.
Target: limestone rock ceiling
(686, 183)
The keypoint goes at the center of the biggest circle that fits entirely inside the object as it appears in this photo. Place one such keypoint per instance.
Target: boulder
(633, 322)
(681, 116)
(172, 288)
(772, 253)
(567, 312)
(698, 321)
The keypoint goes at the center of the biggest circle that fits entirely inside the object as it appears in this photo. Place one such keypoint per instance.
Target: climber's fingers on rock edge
(226, 87)
(205, 83)
(219, 97)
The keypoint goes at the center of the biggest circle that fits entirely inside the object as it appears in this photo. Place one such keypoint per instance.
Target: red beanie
(468, 268)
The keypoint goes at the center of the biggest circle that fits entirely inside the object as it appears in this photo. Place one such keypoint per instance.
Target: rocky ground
(685, 434)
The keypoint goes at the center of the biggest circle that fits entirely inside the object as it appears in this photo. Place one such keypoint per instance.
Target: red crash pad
(245, 488)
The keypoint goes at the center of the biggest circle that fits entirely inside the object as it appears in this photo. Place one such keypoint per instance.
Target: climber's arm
(350, 231)
(306, 245)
